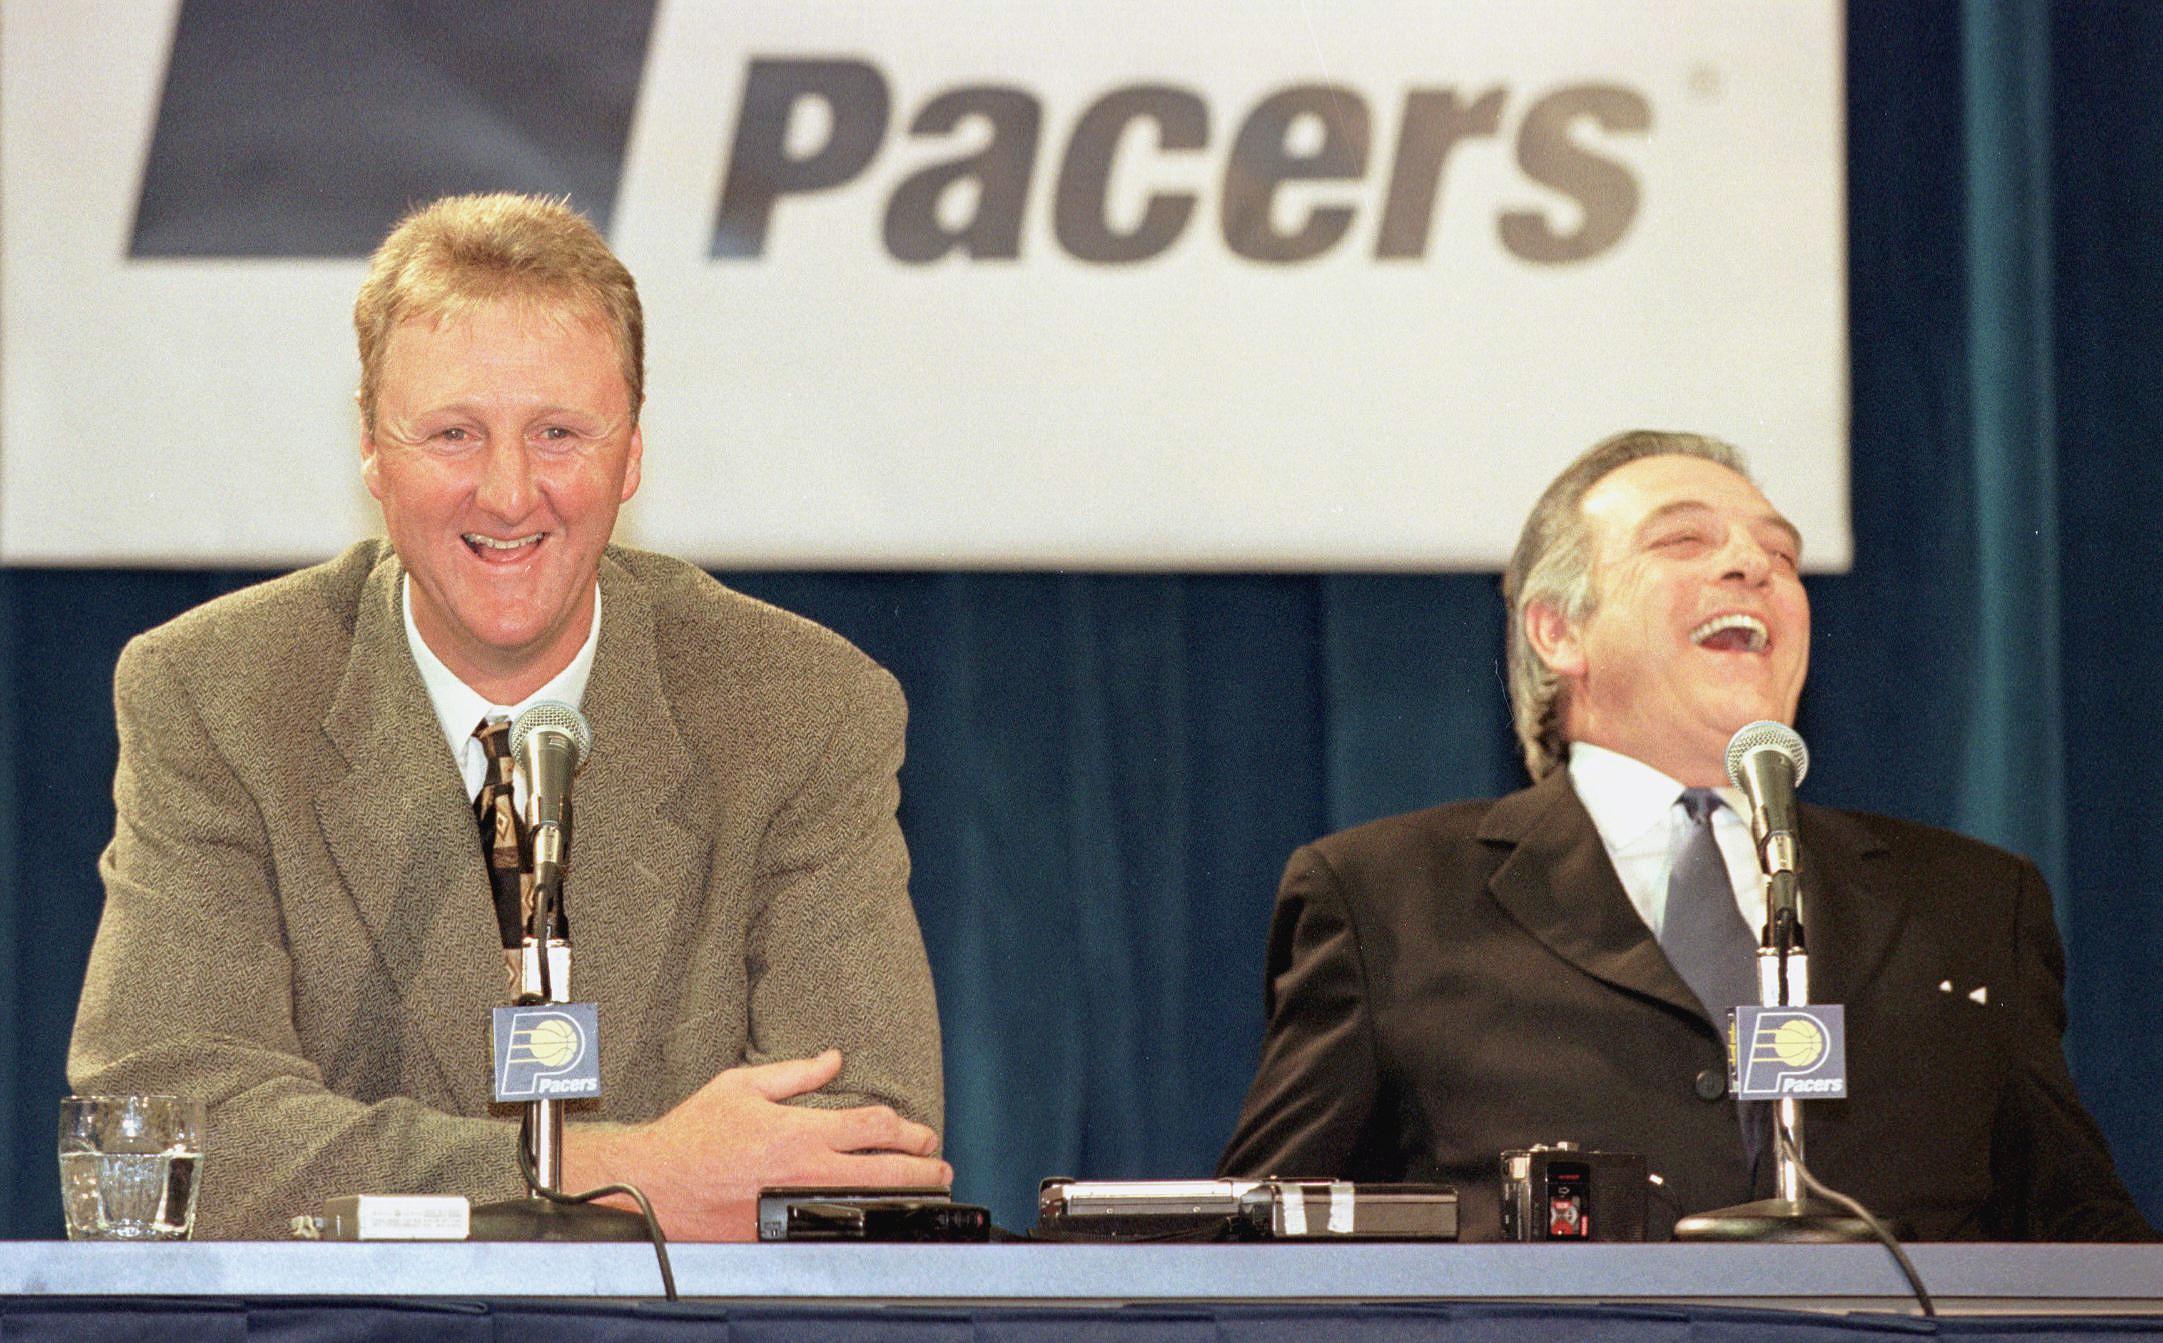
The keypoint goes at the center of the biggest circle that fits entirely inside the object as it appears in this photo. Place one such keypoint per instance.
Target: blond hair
(1552, 566)
(457, 253)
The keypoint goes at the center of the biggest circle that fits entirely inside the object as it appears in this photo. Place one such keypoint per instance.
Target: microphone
(543, 1027)
(548, 744)
(1767, 760)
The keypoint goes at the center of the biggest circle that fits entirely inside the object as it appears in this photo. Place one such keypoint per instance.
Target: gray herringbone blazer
(297, 922)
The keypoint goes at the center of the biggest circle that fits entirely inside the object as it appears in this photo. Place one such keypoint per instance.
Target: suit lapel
(634, 859)
(1851, 918)
(1557, 881)
(403, 839)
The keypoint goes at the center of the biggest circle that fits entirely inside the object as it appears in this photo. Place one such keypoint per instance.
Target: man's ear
(371, 465)
(1555, 639)
(633, 464)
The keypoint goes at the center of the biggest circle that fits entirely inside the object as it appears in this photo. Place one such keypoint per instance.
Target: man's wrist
(595, 1155)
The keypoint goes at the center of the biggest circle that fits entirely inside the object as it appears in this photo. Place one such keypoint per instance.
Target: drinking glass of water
(128, 1166)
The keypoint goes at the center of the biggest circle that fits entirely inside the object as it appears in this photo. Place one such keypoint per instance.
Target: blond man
(300, 924)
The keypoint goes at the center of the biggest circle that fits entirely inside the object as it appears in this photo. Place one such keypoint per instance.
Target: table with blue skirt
(299, 1292)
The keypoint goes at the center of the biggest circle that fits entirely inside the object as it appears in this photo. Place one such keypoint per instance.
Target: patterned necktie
(1703, 932)
(503, 839)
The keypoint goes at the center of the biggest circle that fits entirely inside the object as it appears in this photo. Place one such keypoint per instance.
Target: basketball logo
(1798, 1043)
(553, 1042)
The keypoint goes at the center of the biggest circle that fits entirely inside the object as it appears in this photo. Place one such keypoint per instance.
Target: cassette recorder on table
(1561, 1192)
(1273, 1209)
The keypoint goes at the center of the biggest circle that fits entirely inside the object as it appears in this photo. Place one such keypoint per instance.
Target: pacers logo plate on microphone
(1778, 1052)
(548, 1052)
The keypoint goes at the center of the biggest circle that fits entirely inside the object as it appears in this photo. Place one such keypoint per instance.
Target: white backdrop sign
(1107, 284)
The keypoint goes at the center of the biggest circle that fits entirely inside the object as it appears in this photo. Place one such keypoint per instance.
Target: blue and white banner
(956, 283)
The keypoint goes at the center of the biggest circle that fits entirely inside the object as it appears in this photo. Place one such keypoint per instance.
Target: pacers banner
(1114, 283)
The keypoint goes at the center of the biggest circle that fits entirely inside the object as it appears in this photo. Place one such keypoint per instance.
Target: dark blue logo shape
(307, 129)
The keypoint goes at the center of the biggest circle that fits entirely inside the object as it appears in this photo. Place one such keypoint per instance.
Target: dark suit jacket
(1449, 984)
(298, 928)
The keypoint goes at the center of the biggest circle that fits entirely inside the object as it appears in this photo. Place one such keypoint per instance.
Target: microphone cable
(1864, 1215)
(632, 1191)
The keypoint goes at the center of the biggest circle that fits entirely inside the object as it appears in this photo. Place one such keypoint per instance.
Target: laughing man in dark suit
(1446, 985)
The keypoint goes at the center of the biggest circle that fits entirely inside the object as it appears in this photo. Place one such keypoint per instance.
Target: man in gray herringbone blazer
(298, 925)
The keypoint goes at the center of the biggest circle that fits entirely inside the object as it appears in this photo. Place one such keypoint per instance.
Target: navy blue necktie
(1702, 931)
(1706, 940)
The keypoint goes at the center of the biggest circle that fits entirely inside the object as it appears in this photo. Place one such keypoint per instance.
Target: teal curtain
(2012, 777)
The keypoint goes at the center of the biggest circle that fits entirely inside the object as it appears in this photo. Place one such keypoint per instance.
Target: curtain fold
(2013, 773)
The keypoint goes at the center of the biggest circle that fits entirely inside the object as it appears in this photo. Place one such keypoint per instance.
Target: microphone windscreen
(553, 714)
(1760, 736)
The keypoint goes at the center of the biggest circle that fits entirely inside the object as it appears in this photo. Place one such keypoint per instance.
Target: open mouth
(500, 548)
(1732, 633)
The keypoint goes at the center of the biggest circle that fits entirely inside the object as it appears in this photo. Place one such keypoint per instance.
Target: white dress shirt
(460, 708)
(1638, 812)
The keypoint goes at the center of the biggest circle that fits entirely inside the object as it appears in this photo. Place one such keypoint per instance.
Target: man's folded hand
(703, 1163)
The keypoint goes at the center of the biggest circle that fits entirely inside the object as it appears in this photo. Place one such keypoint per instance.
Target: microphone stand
(536, 1217)
(1783, 980)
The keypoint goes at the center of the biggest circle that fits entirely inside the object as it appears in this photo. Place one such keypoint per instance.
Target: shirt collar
(460, 708)
(1628, 799)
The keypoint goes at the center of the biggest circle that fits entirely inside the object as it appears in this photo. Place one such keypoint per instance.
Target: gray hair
(1552, 566)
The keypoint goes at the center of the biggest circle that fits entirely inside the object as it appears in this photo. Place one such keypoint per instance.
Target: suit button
(1711, 1084)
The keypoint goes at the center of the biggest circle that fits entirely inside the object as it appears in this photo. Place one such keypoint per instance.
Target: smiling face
(503, 444)
(1699, 622)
